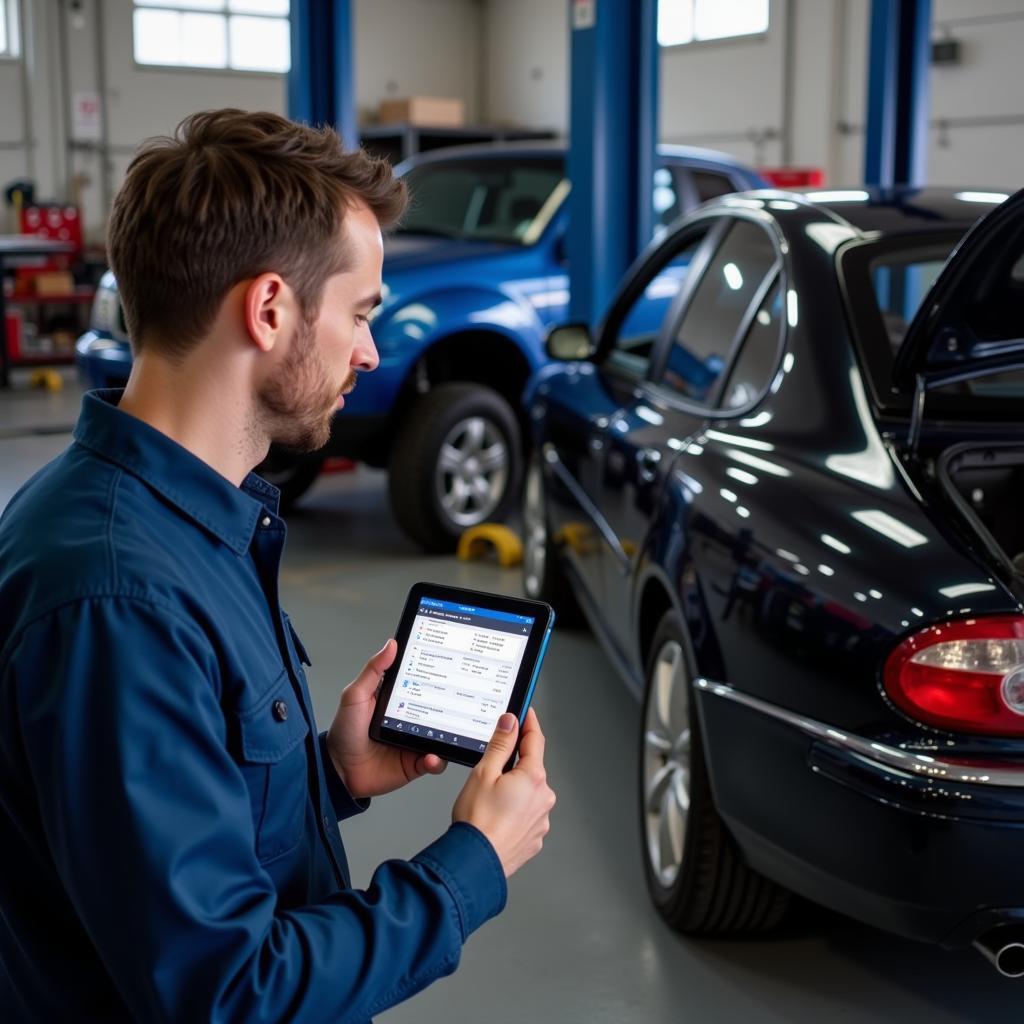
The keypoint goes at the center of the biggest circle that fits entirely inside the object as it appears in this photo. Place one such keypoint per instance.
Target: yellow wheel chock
(478, 540)
(49, 379)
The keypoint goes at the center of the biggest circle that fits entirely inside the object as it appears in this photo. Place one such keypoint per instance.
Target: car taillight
(966, 675)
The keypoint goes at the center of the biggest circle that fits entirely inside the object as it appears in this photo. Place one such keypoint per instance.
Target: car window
(753, 368)
(640, 320)
(493, 199)
(711, 185)
(705, 336)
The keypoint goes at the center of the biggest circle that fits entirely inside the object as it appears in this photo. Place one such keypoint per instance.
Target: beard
(297, 404)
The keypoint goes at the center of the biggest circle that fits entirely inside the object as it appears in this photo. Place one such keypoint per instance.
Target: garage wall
(442, 57)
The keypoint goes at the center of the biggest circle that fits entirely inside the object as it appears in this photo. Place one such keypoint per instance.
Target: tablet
(464, 658)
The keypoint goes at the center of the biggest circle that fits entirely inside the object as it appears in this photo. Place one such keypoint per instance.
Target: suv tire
(455, 463)
(696, 874)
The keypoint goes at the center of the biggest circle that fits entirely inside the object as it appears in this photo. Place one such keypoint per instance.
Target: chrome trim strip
(923, 766)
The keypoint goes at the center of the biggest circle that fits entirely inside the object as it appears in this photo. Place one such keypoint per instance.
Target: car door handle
(647, 461)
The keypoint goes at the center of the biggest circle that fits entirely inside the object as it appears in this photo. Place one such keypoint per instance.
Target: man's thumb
(503, 742)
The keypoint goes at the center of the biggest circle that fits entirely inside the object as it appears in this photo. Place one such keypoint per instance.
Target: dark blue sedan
(791, 513)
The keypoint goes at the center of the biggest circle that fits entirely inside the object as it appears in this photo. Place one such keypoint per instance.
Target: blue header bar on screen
(469, 609)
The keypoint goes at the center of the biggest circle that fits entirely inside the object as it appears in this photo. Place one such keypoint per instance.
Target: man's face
(299, 401)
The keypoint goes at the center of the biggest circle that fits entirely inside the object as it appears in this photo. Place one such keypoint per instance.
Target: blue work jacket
(169, 847)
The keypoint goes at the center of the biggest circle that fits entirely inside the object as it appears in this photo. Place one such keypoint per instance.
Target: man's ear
(269, 309)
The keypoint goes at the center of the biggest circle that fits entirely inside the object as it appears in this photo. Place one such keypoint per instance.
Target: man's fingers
(368, 680)
(503, 742)
(533, 743)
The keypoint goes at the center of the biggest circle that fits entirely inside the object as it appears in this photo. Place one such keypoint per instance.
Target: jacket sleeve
(148, 820)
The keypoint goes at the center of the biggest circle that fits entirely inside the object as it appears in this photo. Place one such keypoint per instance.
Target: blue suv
(473, 281)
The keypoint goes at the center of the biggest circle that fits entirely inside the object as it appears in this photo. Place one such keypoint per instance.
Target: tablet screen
(457, 672)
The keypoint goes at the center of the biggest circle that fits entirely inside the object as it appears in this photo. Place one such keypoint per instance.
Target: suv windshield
(494, 200)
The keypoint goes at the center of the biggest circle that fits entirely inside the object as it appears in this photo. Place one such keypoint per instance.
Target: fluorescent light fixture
(846, 195)
(733, 277)
(982, 197)
(787, 555)
(962, 589)
(739, 441)
(727, 494)
(860, 596)
(836, 545)
(826, 570)
(652, 417)
(802, 569)
(891, 527)
(876, 594)
(743, 513)
(757, 463)
(792, 308)
(742, 475)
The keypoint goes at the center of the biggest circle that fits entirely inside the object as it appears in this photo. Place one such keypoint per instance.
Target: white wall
(403, 47)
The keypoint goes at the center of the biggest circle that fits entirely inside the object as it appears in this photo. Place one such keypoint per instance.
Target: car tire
(455, 463)
(695, 873)
(543, 578)
(291, 475)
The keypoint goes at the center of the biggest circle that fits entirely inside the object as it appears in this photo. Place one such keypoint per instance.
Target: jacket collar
(197, 490)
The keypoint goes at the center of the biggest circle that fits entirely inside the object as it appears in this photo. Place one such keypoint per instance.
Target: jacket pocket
(273, 760)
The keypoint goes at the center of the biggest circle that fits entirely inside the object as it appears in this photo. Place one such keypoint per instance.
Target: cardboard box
(424, 112)
(53, 282)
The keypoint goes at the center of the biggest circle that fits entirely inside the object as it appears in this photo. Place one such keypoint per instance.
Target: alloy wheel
(667, 763)
(472, 471)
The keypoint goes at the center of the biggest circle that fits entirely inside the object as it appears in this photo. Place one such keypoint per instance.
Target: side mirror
(571, 341)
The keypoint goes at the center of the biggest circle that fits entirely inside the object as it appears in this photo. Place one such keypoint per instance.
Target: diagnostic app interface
(457, 674)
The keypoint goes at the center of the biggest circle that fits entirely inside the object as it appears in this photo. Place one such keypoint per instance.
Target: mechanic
(168, 811)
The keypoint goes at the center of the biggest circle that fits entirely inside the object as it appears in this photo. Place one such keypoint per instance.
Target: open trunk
(986, 483)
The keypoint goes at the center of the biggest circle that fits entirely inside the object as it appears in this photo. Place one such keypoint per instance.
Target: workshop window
(694, 21)
(236, 35)
(9, 28)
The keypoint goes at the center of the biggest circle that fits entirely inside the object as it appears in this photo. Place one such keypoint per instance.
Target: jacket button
(280, 710)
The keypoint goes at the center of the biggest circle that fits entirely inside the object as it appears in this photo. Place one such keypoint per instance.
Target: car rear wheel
(455, 463)
(543, 579)
(696, 875)
(292, 475)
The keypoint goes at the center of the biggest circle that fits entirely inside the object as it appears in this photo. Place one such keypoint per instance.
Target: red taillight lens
(966, 675)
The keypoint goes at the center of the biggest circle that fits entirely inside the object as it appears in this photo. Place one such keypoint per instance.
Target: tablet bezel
(522, 689)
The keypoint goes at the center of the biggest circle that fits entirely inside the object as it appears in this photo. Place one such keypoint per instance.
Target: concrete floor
(578, 941)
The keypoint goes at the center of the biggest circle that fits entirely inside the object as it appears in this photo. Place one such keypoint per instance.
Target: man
(168, 813)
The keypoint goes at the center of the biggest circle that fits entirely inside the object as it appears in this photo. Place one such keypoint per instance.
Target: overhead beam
(896, 144)
(321, 82)
(613, 124)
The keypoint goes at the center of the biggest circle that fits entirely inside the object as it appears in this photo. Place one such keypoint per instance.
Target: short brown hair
(230, 196)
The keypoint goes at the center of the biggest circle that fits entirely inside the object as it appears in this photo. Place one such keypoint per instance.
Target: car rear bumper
(923, 846)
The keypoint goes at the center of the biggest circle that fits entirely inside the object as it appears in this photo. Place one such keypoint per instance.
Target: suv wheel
(543, 579)
(695, 873)
(454, 464)
(292, 475)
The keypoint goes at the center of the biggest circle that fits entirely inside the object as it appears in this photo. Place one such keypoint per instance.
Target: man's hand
(366, 767)
(510, 808)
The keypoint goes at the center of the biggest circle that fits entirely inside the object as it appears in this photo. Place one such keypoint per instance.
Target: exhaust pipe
(1003, 947)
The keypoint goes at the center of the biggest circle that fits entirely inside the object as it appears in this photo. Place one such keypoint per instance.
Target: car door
(731, 282)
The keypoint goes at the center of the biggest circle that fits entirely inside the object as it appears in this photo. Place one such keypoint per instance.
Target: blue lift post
(613, 125)
(321, 82)
(896, 144)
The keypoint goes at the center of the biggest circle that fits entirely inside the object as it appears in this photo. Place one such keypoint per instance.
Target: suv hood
(411, 251)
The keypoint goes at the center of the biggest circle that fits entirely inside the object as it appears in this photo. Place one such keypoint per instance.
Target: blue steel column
(896, 145)
(321, 83)
(613, 124)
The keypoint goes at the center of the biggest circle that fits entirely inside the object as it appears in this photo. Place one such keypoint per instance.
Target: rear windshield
(887, 281)
(497, 200)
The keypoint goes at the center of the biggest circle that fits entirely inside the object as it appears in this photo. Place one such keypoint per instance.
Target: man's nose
(364, 356)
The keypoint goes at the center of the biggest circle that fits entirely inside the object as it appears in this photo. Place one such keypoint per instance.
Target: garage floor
(578, 941)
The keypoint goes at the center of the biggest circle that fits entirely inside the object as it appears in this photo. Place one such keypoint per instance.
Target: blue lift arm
(896, 145)
(321, 82)
(613, 124)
